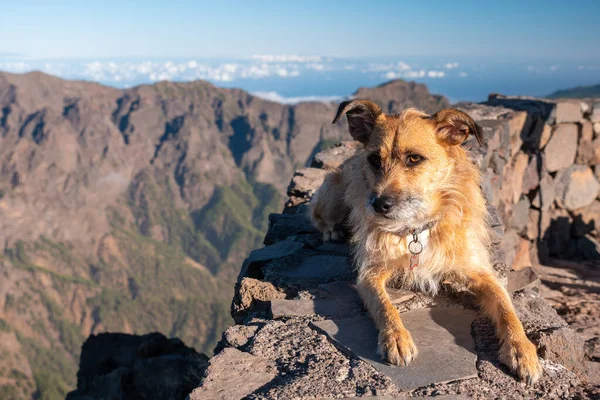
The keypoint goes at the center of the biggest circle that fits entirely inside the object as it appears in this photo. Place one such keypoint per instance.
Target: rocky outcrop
(296, 307)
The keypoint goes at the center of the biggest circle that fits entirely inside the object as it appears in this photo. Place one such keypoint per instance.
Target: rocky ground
(301, 331)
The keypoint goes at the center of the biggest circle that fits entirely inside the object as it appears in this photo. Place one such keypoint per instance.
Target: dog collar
(415, 246)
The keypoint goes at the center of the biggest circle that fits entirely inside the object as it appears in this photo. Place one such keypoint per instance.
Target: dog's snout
(382, 204)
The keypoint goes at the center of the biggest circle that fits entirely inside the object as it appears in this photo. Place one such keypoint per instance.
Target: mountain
(579, 92)
(132, 210)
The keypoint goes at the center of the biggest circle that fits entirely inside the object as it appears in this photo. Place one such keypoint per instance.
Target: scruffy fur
(417, 161)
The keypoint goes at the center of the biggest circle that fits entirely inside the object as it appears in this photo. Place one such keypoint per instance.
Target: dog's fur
(416, 162)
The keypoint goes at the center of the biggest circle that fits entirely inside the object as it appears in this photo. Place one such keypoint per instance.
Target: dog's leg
(395, 343)
(516, 351)
(328, 210)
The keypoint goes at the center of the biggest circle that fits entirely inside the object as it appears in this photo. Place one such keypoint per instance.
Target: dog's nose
(382, 204)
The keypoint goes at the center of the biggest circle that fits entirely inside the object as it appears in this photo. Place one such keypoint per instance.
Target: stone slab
(521, 279)
(340, 290)
(260, 256)
(305, 308)
(222, 380)
(442, 335)
(320, 267)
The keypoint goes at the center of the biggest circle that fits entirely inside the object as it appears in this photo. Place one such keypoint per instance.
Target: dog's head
(410, 161)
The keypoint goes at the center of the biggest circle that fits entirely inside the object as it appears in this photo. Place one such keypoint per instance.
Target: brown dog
(412, 202)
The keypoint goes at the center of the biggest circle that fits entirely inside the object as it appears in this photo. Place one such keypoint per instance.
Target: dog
(411, 202)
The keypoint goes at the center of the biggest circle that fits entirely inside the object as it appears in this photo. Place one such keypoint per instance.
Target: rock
(520, 216)
(306, 308)
(563, 346)
(576, 187)
(282, 226)
(233, 374)
(596, 128)
(398, 296)
(561, 148)
(257, 258)
(545, 137)
(305, 182)
(517, 126)
(518, 174)
(587, 219)
(595, 157)
(595, 115)
(567, 111)
(531, 178)
(521, 279)
(585, 152)
(252, 295)
(340, 290)
(121, 366)
(236, 336)
(535, 313)
(335, 156)
(522, 256)
(587, 131)
(546, 194)
(533, 229)
(446, 348)
(320, 267)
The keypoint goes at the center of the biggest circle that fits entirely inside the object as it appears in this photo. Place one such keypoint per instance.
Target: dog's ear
(361, 115)
(454, 127)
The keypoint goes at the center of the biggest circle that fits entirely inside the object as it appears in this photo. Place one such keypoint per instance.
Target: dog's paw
(521, 357)
(332, 235)
(396, 346)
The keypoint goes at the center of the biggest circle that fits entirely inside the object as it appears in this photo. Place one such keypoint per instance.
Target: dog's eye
(414, 159)
(375, 161)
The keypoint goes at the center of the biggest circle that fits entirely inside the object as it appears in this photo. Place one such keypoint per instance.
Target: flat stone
(442, 335)
(398, 296)
(335, 156)
(222, 378)
(521, 279)
(306, 181)
(340, 290)
(567, 111)
(561, 148)
(531, 179)
(261, 256)
(320, 267)
(577, 187)
(305, 308)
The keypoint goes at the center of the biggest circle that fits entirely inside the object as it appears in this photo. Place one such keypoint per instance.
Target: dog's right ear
(361, 115)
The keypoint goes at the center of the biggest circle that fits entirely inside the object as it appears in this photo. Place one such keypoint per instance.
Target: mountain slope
(579, 92)
(132, 210)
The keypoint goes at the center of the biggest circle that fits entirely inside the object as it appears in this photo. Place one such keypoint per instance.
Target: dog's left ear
(361, 115)
(454, 127)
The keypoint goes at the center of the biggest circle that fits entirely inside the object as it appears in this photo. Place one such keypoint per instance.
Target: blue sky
(294, 50)
(513, 29)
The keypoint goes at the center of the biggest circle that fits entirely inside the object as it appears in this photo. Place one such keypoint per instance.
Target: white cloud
(270, 58)
(463, 74)
(436, 74)
(276, 97)
(451, 65)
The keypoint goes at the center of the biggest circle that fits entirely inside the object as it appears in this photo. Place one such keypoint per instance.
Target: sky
(512, 40)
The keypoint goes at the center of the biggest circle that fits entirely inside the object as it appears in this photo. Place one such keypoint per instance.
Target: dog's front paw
(332, 235)
(396, 346)
(521, 357)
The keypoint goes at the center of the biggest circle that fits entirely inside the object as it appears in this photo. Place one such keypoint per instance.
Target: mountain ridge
(131, 210)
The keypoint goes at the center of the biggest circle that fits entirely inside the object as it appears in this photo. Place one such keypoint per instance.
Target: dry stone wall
(297, 310)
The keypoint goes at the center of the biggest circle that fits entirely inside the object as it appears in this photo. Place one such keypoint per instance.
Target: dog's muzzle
(382, 204)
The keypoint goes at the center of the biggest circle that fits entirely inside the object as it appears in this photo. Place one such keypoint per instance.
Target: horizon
(313, 50)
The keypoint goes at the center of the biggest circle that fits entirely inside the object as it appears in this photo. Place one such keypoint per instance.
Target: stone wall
(541, 171)
(302, 329)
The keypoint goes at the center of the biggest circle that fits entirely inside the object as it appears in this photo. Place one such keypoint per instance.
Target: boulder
(561, 148)
(233, 374)
(546, 193)
(576, 187)
(305, 182)
(568, 111)
(563, 346)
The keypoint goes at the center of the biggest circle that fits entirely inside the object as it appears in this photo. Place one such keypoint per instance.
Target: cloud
(436, 74)
(451, 65)
(270, 58)
(277, 98)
